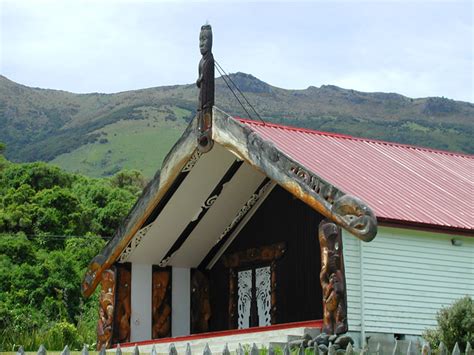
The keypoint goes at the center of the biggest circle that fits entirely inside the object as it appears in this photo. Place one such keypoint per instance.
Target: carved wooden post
(332, 277)
(205, 83)
(106, 309)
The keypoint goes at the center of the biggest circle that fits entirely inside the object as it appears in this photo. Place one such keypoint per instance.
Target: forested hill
(99, 134)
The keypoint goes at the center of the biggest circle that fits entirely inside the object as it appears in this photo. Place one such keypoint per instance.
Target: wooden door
(252, 286)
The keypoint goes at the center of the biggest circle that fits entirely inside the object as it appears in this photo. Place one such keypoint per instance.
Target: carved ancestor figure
(106, 309)
(161, 310)
(332, 279)
(200, 305)
(205, 83)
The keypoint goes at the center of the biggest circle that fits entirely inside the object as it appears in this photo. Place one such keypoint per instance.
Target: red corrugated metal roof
(401, 183)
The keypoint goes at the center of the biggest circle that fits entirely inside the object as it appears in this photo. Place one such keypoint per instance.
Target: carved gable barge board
(213, 196)
(173, 165)
(346, 211)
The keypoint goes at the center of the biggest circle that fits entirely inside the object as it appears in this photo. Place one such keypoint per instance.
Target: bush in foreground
(455, 324)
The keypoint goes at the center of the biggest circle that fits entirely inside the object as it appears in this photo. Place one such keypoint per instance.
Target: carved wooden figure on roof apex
(205, 83)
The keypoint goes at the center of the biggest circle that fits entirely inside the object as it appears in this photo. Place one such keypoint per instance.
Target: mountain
(99, 134)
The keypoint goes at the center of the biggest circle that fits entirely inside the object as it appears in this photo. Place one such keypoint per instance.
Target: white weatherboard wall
(140, 323)
(404, 278)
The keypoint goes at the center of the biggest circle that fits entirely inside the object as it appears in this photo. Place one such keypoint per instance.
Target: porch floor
(261, 336)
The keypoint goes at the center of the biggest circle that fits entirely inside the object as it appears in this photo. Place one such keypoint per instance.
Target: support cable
(232, 90)
(219, 68)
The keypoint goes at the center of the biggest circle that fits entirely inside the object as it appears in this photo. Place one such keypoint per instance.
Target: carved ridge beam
(177, 162)
(345, 210)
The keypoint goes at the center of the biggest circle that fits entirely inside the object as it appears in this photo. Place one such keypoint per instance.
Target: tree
(43, 210)
(3, 161)
(455, 324)
(131, 180)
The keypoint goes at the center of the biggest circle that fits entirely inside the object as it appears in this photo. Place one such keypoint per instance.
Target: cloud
(414, 48)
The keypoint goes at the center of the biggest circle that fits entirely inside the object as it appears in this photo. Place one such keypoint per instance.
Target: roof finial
(205, 83)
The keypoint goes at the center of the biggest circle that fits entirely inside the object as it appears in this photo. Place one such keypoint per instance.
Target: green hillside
(127, 144)
(98, 134)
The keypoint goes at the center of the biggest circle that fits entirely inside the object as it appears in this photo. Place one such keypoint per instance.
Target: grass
(127, 144)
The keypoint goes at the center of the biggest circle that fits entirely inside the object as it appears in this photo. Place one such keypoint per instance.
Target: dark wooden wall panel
(281, 218)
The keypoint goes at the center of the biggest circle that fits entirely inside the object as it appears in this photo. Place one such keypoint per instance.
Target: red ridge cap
(346, 136)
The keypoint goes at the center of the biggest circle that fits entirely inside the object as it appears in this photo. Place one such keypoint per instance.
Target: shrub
(455, 324)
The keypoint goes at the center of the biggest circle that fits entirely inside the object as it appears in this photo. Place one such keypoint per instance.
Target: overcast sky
(414, 48)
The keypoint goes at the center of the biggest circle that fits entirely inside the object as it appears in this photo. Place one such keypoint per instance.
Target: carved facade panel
(106, 309)
(123, 304)
(253, 255)
(244, 300)
(200, 304)
(332, 277)
(263, 295)
(161, 303)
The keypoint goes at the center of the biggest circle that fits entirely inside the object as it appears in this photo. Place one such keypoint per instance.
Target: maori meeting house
(253, 231)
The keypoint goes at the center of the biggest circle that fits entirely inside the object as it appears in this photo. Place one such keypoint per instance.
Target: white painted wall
(180, 301)
(405, 277)
(140, 323)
